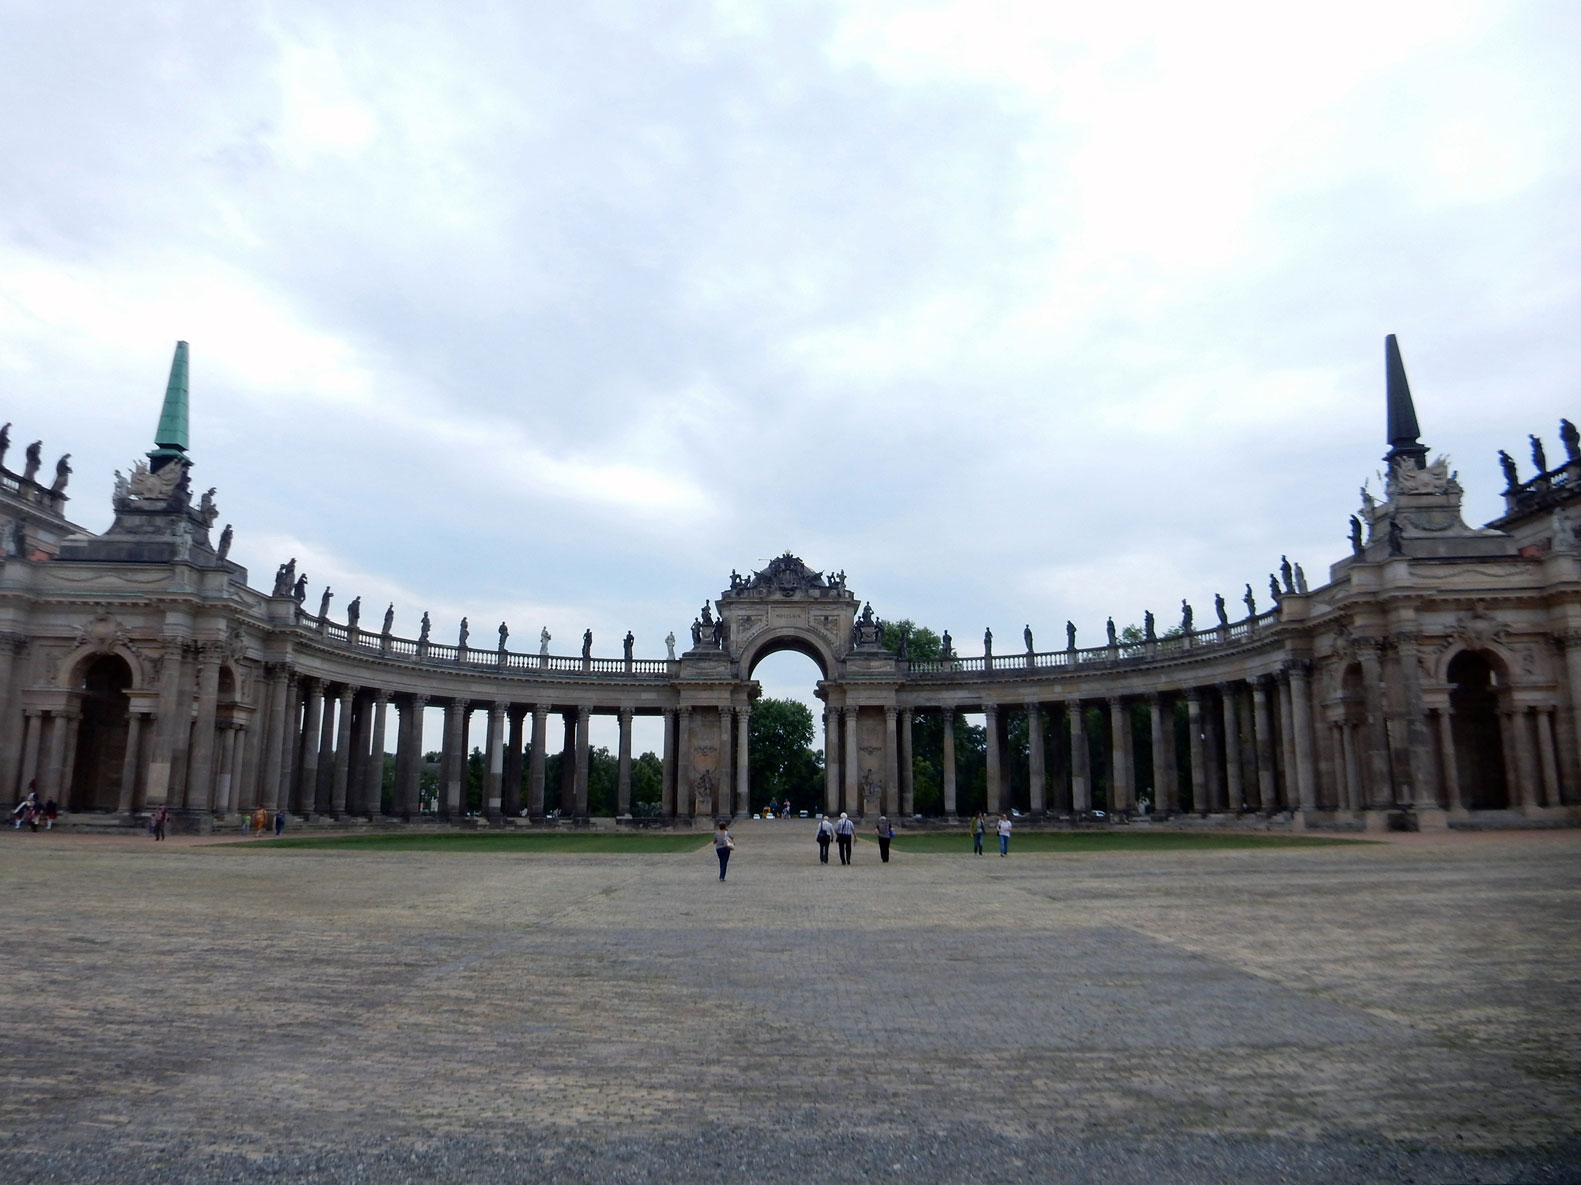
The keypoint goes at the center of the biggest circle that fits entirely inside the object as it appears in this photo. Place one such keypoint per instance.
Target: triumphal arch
(1433, 676)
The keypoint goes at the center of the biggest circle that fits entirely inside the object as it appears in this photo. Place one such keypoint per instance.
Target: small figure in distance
(723, 846)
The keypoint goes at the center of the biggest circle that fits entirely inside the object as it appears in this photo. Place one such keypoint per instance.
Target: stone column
(568, 765)
(1374, 736)
(908, 794)
(200, 782)
(1287, 749)
(1080, 759)
(276, 744)
(32, 740)
(1122, 786)
(10, 746)
(743, 768)
(1301, 728)
(172, 715)
(1165, 798)
(1200, 799)
(535, 763)
(494, 761)
(409, 757)
(1213, 758)
(1416, 777)
(511, 795)
(67, 782)
(890, 802)
(724, 791)
(131, 762)
(373, 788)
(948, 772)
(831, 760)
(1353, 774)
(312, 726)
(55, 761)
(1443, 722)
(1520, 729)
(1234, 794)
(315, 791)
(1263, 744)
(584, 720)
(1035, 757)
(357, 755)
(683, 764)
(452, 764)
(995, 774)
(623, 766)
(227, 775)
(852, 796)
(1547, 762)
(667, 791)
(1571, 735)
(337, 802)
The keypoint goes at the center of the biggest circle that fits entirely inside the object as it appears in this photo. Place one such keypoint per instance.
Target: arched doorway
(101, 735)
(1474, 723)
(787, 747)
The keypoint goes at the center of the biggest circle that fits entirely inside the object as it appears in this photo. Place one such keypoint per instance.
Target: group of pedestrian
(31, 812)
(980, 827)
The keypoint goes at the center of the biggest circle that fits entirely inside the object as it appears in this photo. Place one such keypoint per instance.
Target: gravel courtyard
(1405, 1010)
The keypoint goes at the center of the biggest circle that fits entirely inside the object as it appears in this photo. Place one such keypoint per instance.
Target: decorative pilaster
(890, 803)
(200, 781)
(1449, 768)
(852, 796)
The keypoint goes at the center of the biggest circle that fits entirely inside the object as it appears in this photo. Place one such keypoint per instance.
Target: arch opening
(101, 735)
(1474, 725)
(785, 754)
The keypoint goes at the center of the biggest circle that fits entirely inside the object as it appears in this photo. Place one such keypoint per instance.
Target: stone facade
(1434, 677)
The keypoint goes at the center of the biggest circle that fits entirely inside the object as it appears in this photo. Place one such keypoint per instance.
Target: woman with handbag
(723, 846)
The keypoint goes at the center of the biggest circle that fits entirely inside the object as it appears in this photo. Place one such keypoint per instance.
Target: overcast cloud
(558, 313)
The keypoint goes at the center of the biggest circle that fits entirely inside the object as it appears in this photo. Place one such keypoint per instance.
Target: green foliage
(781, 759)
(647, 782)
(921, 642)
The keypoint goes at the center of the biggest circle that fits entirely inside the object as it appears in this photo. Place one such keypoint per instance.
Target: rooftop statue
(903, 650)
(1355, 536)
(669, 645)
(62, 474)
(1070, 636)
(123, 490)
(785, 574)
(422, 630)
(207, 511)
(323, 602)
(1512, 479)
(1026, 636)
(543, 642)
(389, 620)
(461, 641)
(1109, 630)
(504, 634)
(225, 541)
(299, 589)
(988, 643)
(1396, 538)
(1185, 616)
(1219, 610)
(1367, 500)
(33, 461)
(1568, 436)
(1251, 602)
(945, 647)
(1149, 626)
(1286, 575)
(1301, 581)
(353, 612)
(627, 643)
(5, 440)
(1539, 458)
(587, 644)
(1273, 587)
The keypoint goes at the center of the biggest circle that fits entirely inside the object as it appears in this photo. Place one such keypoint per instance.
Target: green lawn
(1076, 842)
(577, 842)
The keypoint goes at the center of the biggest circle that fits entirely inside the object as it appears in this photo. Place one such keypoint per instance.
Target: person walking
(978, 827)
(161, 818)
(50, 811)
(825, 838)
(260, 822)
(723, 846)
(885, 833)
(279, 823)
(843, 831)
(1004, 835)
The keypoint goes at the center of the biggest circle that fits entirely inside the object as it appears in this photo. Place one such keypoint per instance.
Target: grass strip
(1077, 842)
(568, 842)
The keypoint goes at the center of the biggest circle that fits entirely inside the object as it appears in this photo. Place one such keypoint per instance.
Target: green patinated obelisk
(170, 438)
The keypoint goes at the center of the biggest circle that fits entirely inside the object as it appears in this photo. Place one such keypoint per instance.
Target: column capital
(1228, 686)
(626, 714)
(891, 714)
(991, 711)
(417, 699)
(347, 693)
(499, 706)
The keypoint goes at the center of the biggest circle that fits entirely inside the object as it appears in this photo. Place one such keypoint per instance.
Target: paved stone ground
(1408, 1010)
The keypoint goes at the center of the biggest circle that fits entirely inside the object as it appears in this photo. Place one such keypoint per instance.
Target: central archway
(787, 748)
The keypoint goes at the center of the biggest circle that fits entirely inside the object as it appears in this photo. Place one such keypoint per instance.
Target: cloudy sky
(557, 313)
